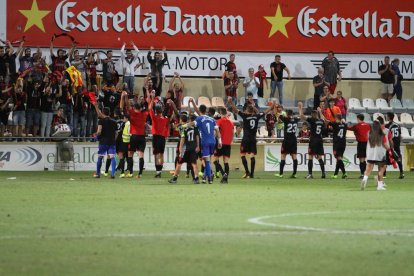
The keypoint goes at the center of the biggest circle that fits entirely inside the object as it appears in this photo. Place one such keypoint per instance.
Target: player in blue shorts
(106, 134)
(208, 133)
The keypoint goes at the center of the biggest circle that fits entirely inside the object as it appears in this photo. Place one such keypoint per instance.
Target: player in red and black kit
(290, 144)
(395, 130)
(137, 118)
(339, 128)
(361, 130)
(160, 131)
(317, 126)
(226, 128)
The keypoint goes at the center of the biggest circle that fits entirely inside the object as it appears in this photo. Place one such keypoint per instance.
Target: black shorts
(158, 144)
(137, 143)
(189, 157)
(224, 151)
(316, 147)
(121, 146)
(289, 146)
(248, 146)
(362, 150)
(397, 149)
(338, 149)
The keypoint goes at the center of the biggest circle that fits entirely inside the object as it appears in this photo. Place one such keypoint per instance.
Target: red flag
(91, 96)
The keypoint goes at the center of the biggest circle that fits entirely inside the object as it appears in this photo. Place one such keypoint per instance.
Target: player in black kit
(339, 128)
(188, 148)
(317, 126)
(248, 145)
(289, 144)
(395, 130)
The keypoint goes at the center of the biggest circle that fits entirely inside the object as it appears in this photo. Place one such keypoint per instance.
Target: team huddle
(207, 135)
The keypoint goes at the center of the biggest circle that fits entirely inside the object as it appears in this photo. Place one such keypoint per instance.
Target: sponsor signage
(267, 26)
(272, 159)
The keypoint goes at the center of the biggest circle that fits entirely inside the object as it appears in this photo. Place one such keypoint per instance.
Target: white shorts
(387, 88)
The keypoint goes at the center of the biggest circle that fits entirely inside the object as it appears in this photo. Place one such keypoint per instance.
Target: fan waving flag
(91, 96)
(75, 76)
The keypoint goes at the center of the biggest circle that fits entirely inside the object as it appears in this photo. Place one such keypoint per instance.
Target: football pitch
(67, 223)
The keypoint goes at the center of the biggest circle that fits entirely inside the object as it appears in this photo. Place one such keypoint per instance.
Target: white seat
(367, 118)
(382, 105)
(186, 99)
(261, 102)
(412, 132)
(242, 101)
(396, 105)
(351, 118)
(376, 115)
(203, 100)
(369, 105)
(409, 105)
(354, 105)
(405, 134)
(217, 102)
(406, 120)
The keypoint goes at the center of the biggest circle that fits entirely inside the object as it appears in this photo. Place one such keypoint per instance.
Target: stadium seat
(407, 120)
(309, 103)
(231, 116)
(405, 134)
(412, 133)
(350, 135)
(376, 115)
(351, 118)
(262, 103)
(217, 102)
(397, 106)
(290, 104)
(396, 119)
(369, 104)
(186, 99)
(203, 100)
(354, 105)
(241, 102)
(382, 105)
(409, 105)
(261, 132)
(367, 118)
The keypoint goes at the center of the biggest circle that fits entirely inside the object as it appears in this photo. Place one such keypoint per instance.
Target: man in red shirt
(137, 118)
(230, 86)
(261, 75)
(361, 130)
(226, 127)
(160, 131)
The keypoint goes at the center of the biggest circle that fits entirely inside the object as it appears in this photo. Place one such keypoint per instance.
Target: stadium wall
(47, 156)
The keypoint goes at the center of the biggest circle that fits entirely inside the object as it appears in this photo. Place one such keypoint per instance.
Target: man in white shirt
(130, 62)
(251, 84)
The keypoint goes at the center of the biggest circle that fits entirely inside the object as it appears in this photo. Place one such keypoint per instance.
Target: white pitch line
(386, 232)
(146, 235)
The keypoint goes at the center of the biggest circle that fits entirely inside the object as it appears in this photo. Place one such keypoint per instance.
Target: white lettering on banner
(272, 158)
(339, 26)
(131, 21)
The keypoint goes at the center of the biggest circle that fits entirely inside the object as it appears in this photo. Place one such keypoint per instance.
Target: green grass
(50, 225)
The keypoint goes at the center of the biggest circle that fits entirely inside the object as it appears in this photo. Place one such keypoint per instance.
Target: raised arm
(51, 46)
(233, 106)
(136, 54)
(19, 52)
(301, 115)
(191, 101)
(321, 114)
(72, 49)
(123, 51)
(98, 111)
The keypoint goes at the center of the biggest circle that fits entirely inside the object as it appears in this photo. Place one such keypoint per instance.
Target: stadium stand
(354, 105)
(369, 105)
(397, 107)
(383, 105)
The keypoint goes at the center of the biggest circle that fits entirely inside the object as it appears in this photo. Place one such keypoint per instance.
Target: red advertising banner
(215, 25)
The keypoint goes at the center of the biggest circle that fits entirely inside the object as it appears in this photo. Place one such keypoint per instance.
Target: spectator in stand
(46, 110)
(79, 113)
(261, 75)
(157, 63)
(341, 103)
(304, 133)
(177, 88)
(108, 69)
(58, 118)
(66, 102)
(331, 111)
(250, 101)
(398, 77)
(19, 110)
(59, 61)
(4, 113)
(280, 125)
(387, 78)
(251, 84)
(91, 63)
(79, 62)
(26, 61)
(148, 86)
(130, 62)
(326, 96)
(270, 120)
(91, 115)
(230, 86)
(276, 69)
(9, 58)
(231, 67)
(332, 71)
(34, 93)
(319, 84)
